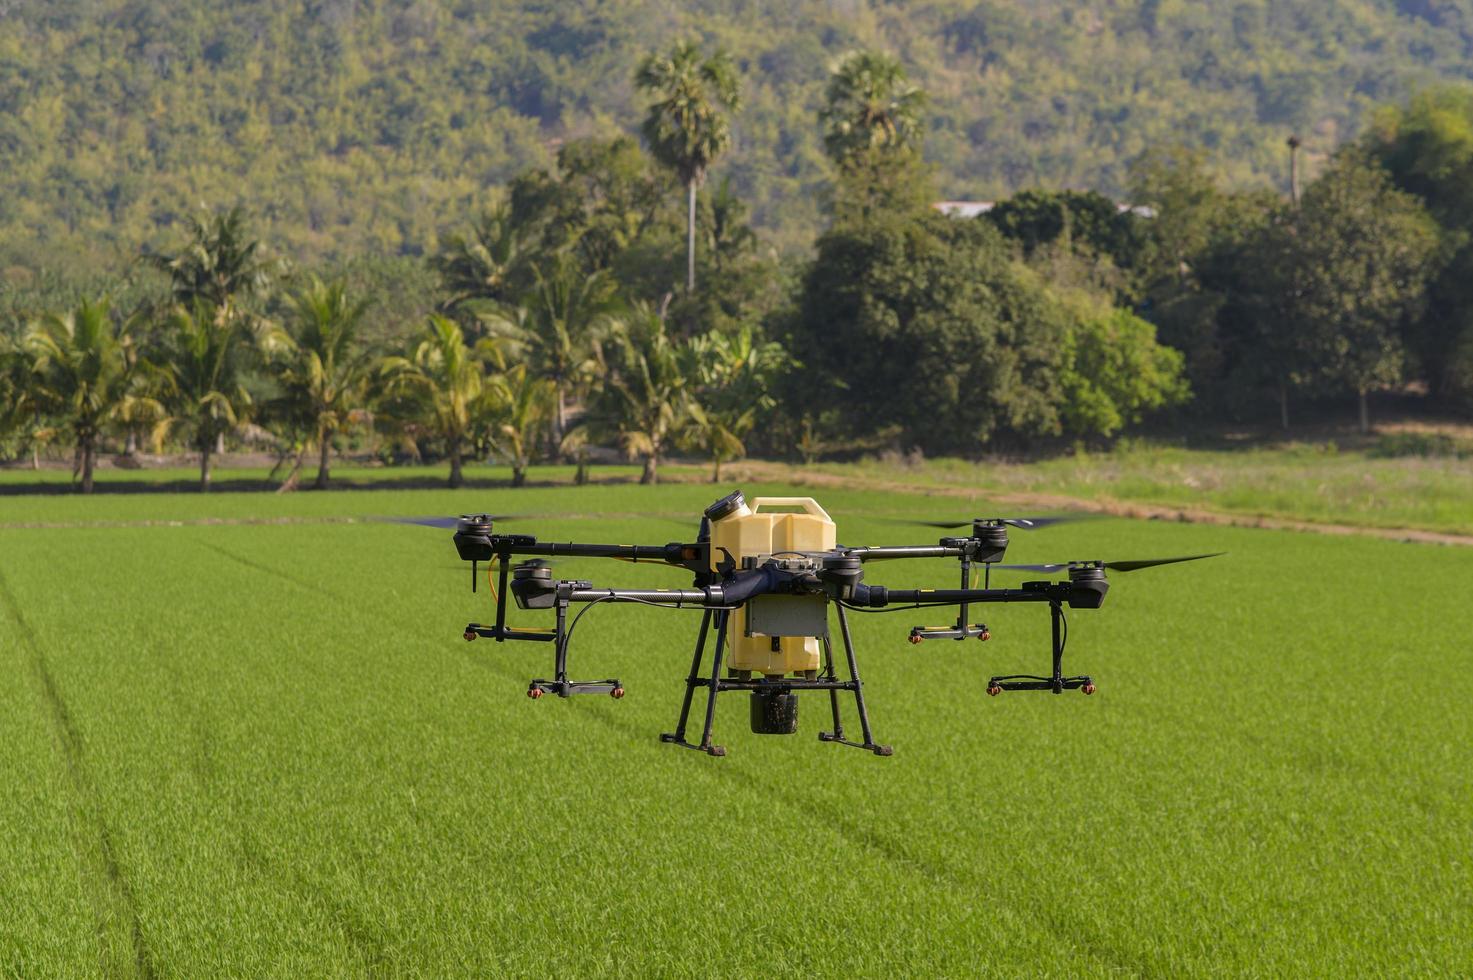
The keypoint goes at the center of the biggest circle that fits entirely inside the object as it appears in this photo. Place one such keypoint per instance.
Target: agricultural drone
(767, 578)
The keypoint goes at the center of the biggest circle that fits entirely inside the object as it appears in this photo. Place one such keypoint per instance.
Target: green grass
(1298, 482)
(265, 750)
(1306, 483)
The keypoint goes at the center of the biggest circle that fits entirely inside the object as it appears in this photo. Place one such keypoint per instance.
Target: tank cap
(726, 506)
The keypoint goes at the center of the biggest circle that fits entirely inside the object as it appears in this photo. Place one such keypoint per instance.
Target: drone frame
(835, 575)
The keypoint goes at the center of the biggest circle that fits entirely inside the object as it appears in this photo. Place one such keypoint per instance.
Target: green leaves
(685, 126)
(870, 105)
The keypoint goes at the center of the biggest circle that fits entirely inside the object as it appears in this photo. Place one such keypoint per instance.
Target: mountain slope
(356, 126)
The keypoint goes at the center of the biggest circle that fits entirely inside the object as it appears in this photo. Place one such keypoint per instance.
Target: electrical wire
(568, 637)
(917, 605)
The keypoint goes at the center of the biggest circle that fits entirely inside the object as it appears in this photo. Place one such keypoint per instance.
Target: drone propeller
(1022, 523)
(1114, 566)
(451, 523)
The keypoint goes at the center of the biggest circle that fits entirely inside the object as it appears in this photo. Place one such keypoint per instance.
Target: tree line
(622, 298)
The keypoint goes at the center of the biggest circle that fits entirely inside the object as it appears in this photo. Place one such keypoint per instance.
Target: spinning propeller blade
(1115, 566)
(449, 523)
(1022, 523)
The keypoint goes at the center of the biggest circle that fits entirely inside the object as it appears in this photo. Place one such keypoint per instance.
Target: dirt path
(781, 473)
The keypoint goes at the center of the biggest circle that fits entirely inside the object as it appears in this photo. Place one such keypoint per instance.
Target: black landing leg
(695, 680)
(837, 735)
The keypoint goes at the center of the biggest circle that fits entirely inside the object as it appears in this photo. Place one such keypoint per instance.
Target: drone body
(768, 582)
(766, 636)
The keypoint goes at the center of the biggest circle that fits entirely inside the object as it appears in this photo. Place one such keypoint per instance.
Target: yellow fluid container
(762, 530)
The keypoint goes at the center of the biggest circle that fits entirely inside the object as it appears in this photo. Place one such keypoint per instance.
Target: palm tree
(439, 389)
(558, 327)
(645, 398)
(527, 401)
(685, 127)
(206, 360)
(15, 386)
(323, 368)
(728, 237)
(719, 435)
(220, 266)
(84, 372)
(736, 374)
(479, 265)
(870, 105)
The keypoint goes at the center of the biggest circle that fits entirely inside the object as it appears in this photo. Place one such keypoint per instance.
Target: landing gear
(1057, 683)
(774, 701)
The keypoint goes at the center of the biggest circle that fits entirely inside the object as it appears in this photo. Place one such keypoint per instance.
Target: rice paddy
(241, 735)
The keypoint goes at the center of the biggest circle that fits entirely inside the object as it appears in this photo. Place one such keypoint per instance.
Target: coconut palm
(644, 401)
(84, 374)
(15, 387)
(206, 359)
(221, 266)
(685, 127)
(479, 265)
(527, 404)
(439, 389)
(558, 326)
(323, 368)
(870, 105)
(735, 374)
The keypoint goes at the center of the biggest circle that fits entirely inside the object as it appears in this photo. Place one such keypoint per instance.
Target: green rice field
(241, 735)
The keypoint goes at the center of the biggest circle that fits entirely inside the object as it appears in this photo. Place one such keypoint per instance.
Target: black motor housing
(473, 538)
(774, 713)
(532, 585)
(1087, 586)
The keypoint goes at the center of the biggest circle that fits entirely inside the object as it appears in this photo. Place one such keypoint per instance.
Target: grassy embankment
(1297, 482)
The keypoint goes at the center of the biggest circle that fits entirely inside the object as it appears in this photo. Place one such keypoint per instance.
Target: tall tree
(221, 265)
(685, 127)
(323, 367)
(221, 269)
(15, 387)
(205, 361)
(1360, 258)
(439, 390)
(873, 132)
(1427, 147)
(84, 373)
(925, 323)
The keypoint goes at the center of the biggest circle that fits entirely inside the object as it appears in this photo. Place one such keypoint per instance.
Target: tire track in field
(117, 902)
(847, 828)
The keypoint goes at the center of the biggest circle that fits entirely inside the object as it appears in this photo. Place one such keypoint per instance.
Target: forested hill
(351, 126)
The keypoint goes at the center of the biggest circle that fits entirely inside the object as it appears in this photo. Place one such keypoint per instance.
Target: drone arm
(904, 551)
(674, 553)
(1081, 594)
(672, 597)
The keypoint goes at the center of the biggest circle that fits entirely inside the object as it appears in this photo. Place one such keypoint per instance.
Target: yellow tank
(763, 530)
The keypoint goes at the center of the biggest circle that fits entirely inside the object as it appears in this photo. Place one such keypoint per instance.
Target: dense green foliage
(561, 306)
(365, 127)
(933, 327)
(1427, 148)
(302, 770)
